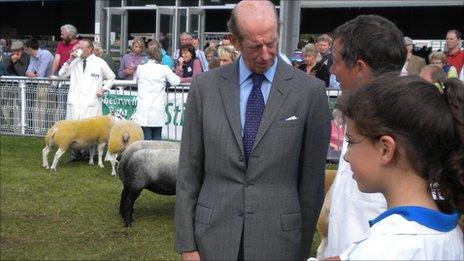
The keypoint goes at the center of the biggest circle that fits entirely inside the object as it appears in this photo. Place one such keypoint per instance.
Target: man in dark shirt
(18, 61)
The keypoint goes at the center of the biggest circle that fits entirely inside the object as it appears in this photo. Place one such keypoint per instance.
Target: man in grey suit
(254, 143)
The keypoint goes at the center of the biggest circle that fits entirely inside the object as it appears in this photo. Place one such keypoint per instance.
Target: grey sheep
(148, 165)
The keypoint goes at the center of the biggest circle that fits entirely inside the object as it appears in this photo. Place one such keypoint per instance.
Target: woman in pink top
(187, 66)
(130, 61)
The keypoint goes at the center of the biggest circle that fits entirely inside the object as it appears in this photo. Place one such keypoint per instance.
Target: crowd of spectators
(19, 58)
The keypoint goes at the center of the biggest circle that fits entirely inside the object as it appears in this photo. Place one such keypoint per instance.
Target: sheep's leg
(101, 146)
(128, 206)
(91, 152)
(122, 202)
(58, 155)
(45, 152)
(113, 164)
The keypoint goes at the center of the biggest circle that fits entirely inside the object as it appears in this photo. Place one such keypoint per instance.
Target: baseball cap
(16, 45)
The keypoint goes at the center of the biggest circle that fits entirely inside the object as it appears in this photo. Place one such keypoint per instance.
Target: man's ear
(387, 149)
(234, 42)
(364, 71)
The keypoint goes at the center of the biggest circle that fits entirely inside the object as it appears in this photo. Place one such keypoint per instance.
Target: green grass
(73, 213)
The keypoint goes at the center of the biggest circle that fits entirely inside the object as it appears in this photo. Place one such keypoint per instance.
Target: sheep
(78, 134)
(122, 134)
(146, 164)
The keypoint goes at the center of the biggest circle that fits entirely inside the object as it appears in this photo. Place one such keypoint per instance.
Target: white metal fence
(30, 106)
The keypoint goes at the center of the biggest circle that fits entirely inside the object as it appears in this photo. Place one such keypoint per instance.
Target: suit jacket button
(240, 213)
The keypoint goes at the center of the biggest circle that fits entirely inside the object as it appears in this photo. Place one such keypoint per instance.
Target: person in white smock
(90, 76)
(151, 79)
(386, 130)
(363, 49)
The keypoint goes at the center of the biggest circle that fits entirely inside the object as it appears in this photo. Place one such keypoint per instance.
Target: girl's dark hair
(190, 48)
(428, 125)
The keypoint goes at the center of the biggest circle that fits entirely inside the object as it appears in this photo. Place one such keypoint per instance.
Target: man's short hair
(89, 43)
(32, 43)
(373, 39)
(324, 38)
(187, 34)
(456, 32)
(70, 29)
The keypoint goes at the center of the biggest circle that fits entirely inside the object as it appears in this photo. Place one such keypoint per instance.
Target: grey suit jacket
(276, 201)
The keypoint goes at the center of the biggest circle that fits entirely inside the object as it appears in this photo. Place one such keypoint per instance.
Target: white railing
(30, 106)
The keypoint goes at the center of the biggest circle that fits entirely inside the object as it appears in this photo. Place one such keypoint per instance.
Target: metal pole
(22, 86)
(289, 16)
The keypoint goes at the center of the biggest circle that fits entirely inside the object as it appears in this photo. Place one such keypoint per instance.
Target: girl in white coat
(151, 79)
(403, 136)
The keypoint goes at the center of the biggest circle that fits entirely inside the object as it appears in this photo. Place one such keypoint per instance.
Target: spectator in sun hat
(16, 63)
(297, 58)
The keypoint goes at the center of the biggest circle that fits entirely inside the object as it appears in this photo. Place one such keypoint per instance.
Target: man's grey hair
(70, 29)
(187, 34)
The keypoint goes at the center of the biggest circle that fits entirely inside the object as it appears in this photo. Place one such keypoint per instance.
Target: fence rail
(30, 106)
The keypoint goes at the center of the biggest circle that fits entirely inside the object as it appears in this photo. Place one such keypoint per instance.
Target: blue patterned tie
(254, 112)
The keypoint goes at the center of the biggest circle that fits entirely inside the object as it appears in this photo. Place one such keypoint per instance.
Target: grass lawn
(73, 213)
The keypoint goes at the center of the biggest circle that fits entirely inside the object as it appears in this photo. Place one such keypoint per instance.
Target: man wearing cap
(414, 64)
(16, 63)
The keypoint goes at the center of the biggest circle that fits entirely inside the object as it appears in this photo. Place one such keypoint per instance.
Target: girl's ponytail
(452, 179)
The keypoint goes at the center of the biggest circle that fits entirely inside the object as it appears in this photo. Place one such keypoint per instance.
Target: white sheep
(122, 134)
(78, 134)
(148, 165)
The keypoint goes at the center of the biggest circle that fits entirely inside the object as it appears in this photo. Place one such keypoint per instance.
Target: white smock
(83, 101)
(410, 233)
(151, 79)
(350, 209)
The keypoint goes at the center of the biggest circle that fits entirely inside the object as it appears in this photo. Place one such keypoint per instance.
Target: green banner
(123, 104)
(126, 105)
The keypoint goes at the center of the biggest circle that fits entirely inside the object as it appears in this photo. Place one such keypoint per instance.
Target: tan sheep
(122, 134)
(78, 134)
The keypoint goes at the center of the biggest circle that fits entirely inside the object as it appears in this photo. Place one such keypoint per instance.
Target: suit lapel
(279, 92)
(229, 90)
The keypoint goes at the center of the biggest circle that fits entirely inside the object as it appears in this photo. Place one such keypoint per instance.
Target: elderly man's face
(185, 39)
(259, 44)
(259, 48)
(65, 36)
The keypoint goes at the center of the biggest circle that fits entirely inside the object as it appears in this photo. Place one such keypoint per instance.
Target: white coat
(350, 209)
(151, 79)
(83, 101)
(395, 238)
